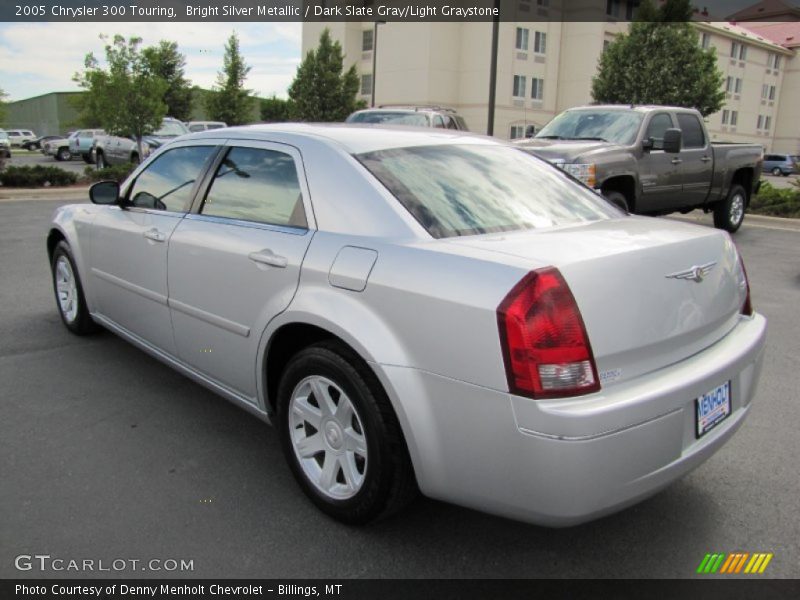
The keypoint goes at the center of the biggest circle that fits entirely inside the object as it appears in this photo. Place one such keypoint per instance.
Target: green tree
(659, 61)
(230, 101)
(125, 96)
(165, 61)
(322, 90)
(3, 109)
(275, 110)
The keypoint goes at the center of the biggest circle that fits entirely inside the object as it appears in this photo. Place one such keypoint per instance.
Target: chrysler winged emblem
(695, 273)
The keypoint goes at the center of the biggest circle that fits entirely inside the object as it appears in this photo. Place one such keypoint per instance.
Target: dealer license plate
(712, 408)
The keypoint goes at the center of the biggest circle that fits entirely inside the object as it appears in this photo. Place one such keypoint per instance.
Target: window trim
(215, 144)
(299, 166)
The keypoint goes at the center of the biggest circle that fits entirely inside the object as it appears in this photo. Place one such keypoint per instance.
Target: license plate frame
(711, 409)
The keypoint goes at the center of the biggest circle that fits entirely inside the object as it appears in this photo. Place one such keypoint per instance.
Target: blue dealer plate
(712, 408)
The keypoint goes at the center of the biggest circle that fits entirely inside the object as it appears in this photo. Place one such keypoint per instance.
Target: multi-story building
(545, 67)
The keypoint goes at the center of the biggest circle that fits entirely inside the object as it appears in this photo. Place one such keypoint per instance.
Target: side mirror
(530, 131)
(672, 141)
(648, 144)
(104, 192)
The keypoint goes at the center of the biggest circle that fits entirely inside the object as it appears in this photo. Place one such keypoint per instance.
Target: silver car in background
(425, 310)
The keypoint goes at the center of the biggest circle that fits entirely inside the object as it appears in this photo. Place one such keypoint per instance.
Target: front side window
(655, 130)
(457, 190)
(167, 182)
(255, 184)
(692, 131)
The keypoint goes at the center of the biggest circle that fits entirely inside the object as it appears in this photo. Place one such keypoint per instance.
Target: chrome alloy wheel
(737, 209)
(328, 437)
(67, 289)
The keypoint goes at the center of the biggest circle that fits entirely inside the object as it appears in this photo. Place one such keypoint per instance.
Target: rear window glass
(456, 190)
(390, 118)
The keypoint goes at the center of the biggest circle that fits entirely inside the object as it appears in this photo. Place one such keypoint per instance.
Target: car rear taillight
(747, 307)
(545, 346)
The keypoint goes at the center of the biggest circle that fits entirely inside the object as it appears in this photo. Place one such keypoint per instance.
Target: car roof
(354, 138)
(635, 107)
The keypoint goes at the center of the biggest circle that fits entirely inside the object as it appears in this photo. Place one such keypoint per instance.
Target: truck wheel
(729, 213)
(100, 161)
(63, 154)
(617, 199)
(135, 158)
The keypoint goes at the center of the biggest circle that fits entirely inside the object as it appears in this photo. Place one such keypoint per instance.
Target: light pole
(493, 71)
(374, 58)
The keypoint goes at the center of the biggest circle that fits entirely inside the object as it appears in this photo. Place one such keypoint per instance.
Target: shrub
(116, 172)
(776, 202)
(36, 176)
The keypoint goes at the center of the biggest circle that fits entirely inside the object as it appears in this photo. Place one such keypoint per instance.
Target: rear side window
(455, 190)
(692, 131)
(255, 184)
(167, 182)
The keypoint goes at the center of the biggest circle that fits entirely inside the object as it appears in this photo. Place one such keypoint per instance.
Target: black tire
(729, 213)
(618, 199)
(388, 479)
(81, 323)
(135, 158)
(87, 158)
(63, 154)
(100, 160)
(777, 172)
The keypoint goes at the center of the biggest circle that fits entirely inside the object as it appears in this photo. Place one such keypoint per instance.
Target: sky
(38, 58)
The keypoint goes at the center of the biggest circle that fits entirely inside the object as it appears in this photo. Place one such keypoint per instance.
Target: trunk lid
(632, 278)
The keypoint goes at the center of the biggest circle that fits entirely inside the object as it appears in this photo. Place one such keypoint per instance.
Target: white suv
(17, 137)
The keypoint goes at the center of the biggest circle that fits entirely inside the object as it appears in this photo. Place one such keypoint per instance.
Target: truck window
(655, 130)
(693, 136)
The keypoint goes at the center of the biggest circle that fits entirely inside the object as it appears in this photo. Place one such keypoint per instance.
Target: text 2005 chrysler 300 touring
(418, 309)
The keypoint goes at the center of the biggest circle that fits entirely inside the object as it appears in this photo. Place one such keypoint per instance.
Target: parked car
(58, 148)
(415, 116)
(412, 309)
(37, 143)
(115, 150)
(5, 145)
(17, 137)
(780, 164)
(195, 126)
(81, 143)
(652, 160)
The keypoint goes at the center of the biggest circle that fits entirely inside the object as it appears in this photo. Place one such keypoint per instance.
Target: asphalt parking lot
(22, 158)
(107, 454)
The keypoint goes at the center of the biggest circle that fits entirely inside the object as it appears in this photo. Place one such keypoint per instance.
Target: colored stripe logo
(735, 563)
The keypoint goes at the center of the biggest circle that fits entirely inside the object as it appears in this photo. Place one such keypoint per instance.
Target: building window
(519, 86)
(705, 41)
(537, 88)
(776, 61)
(606, 44)
(540, 42)
(522, 39)
(517, 132)
(613, 8)
(734, 49)
(767, 122)
(772, 92)
(729, 84)
(760, 122)
(764, 91)
(734, 117)
(725, 116)
(742, 52)
(366, 40)
(738, 88)
(366, 84)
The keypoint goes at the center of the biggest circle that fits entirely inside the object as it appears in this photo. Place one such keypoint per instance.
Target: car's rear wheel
(63, 154)
(341, 436)
(69, 292)
(729, 213)
(100, 160)
(777, 172)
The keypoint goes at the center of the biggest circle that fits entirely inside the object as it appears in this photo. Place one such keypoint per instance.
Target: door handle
(268, 257)
(155, 235)
(676, 161)
(706, 158)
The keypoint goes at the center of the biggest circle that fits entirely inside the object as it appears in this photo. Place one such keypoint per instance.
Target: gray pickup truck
(652, 160)
(115, 150)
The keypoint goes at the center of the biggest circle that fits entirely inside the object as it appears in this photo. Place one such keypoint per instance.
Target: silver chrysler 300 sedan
(422, 310)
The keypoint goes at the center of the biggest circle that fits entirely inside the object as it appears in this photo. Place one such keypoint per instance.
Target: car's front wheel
(341, 436)
(729, 213)
(69, 292)
(63, 154)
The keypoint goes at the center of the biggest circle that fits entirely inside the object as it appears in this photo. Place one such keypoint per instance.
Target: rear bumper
(564, 462)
